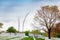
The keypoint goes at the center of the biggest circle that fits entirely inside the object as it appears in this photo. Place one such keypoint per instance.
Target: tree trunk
(49, 36)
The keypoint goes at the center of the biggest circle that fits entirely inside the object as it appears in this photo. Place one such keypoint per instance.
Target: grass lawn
(30, 38)
(39, 39)
(27, 38)
(15, 38)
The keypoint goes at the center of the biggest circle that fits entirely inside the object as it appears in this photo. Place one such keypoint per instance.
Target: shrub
(26, 33)
(58, 34)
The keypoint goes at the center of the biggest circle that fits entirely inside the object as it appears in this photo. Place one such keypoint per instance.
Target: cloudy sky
(11, 9)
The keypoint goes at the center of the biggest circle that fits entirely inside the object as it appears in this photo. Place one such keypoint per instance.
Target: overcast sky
(11, 9)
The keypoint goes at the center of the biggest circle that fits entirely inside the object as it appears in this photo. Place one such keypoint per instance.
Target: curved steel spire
(24, 21)
(18, 24)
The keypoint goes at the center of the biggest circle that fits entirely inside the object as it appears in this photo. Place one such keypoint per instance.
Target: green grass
(30, 38)
(39, 39)
(27, 38)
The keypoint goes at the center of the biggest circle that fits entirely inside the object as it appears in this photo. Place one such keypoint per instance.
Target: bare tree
(46, 17)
